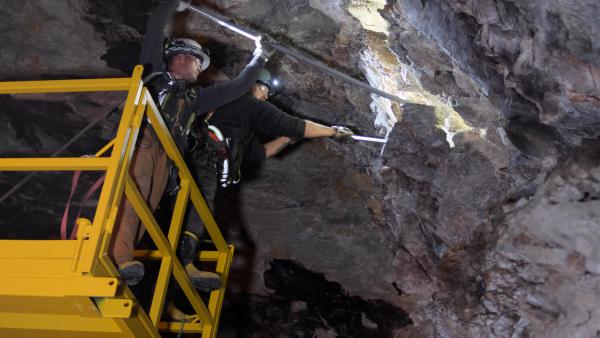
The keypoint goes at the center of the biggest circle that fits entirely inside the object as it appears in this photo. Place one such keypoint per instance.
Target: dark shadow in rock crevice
(304, 302)
(307, 299)
(535, 139)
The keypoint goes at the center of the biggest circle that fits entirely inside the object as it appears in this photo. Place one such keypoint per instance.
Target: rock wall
(541, 277)
(477, 219)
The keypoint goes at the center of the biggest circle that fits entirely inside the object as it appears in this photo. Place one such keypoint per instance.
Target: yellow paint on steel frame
(71, 288)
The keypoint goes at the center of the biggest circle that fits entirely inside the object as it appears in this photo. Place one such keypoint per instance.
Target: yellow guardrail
(77, 276)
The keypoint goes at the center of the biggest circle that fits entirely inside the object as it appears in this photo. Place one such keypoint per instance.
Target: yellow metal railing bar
(65, 86)
(203, 256)
(53, 164)
(58, 287)
(90, 270)
(180, 207)
(105, 148)
(215, 303)
(53, 322)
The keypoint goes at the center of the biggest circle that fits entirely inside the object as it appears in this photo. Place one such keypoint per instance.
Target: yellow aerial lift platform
(71, 288)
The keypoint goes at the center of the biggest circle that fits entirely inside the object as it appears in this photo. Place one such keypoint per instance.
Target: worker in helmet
(255, 115)
(171, 68)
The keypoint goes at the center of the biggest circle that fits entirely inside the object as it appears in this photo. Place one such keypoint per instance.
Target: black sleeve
(211, 98)
(151, 56)
(267, 119)
(256, 151)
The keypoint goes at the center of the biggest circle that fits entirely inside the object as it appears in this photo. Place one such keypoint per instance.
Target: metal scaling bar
(296, 55)
(369, 139)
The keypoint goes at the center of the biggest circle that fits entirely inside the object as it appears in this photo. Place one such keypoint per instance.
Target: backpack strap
(151, 77)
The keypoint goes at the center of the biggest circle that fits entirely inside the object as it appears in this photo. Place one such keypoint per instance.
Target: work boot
(187, 247)
(132, 272)
(202, 280)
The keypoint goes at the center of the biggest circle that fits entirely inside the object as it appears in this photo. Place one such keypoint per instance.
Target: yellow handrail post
(110, 196)
(132, 128)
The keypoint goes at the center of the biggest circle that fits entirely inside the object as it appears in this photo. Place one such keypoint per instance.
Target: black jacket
(247, 116)
(179, 101)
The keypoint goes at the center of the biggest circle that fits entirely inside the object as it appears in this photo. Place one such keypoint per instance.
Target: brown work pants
(150, 171)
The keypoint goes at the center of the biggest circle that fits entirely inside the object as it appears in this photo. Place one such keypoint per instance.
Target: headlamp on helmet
(270, 88)
(265, 79)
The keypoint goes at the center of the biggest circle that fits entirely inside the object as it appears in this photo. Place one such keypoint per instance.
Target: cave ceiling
(480, 216)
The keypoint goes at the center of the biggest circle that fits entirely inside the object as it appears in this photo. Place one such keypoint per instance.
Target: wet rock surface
(478, 219)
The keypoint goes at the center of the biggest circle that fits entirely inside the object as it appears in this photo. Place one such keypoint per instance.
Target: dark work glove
(342, 133)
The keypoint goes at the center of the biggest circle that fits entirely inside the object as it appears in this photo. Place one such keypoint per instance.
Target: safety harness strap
(86, 196)
(63, 223)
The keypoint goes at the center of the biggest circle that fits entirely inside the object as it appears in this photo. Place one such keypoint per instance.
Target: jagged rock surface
(494, 237)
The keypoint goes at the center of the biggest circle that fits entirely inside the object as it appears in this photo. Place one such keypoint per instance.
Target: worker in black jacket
(170, 71)
(238, 124)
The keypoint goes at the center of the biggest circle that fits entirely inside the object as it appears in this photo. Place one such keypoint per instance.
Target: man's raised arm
(151, 56)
